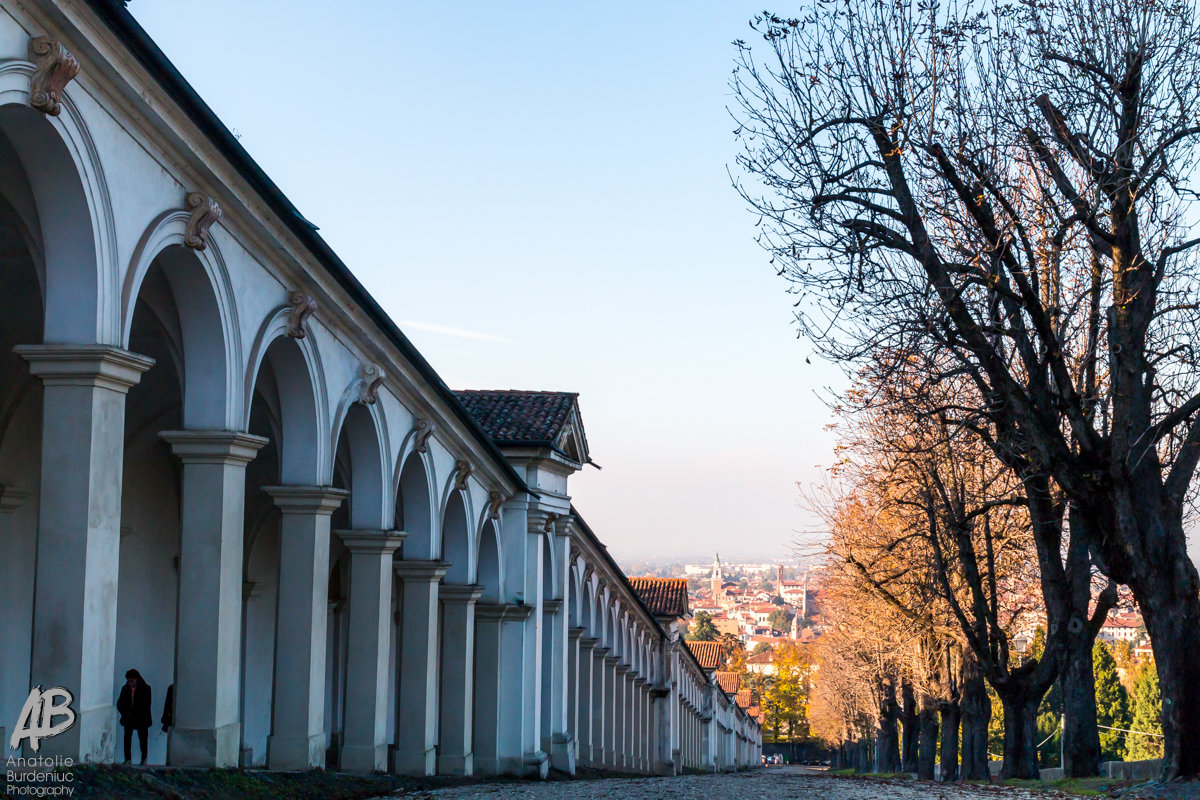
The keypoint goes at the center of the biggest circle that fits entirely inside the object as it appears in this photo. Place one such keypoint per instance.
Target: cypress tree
(1112, 703)
(1147, 716)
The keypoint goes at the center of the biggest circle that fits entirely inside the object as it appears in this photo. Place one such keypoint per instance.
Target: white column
(514, 702)
(490, 681)
(416, 721)
(611, 703)
(556, 740)
(630, 722)
(572, 681)
(79, 521)
(16, 593)
(641, 735)
(457, 704)
(599, 705)
(621, 716)
(297, 738)
(586, 700)
(208, 640)
(364, 739)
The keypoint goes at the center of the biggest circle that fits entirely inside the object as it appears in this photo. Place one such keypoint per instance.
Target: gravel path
(780, 783)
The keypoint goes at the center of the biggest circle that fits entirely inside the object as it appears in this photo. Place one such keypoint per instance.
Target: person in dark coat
(134, 707)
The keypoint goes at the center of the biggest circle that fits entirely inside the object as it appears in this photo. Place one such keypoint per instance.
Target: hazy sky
(537, 193)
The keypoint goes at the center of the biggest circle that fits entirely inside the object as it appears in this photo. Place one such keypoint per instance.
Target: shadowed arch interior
(414, 509)
(66, 236)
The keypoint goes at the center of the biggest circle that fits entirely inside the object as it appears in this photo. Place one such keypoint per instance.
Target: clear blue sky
(537, 193)
(548, 180)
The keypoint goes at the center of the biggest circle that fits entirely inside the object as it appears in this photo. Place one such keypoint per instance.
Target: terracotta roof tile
(743, 698)
(665, 597)
(709, 654)
(511, 416)
(729, 682)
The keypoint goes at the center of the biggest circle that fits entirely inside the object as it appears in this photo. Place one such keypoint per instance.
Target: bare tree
(1006, 188)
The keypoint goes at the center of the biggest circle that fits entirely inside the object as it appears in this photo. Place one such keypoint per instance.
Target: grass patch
(1082, 787)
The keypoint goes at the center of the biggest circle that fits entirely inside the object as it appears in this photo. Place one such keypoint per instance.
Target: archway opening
(21, 322)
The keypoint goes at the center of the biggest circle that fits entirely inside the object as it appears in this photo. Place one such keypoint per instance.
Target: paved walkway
(775, 783)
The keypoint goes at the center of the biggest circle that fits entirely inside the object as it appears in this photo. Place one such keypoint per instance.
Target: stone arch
(288, 374)
(210, 334)
(551, 582)
(489, 563)
(575, 600)
(456, 538)
(360, 435)
(415, 507)
(74, 214)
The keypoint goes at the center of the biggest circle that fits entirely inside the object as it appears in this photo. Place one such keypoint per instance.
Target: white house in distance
(222, 463)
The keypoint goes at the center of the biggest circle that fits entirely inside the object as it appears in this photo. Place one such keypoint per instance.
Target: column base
(91, 740)
(459, 766)
(537, 765)
(420, 763)
(295, 752)
(205, 747)
(562, 752)
(363, 758)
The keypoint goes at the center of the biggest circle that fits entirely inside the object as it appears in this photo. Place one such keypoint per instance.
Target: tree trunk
(1173, 621)
(951, 715)
(976, 713)
(908, 717)
(927, 747)
(1020, 735)
(1081, 738)
(887, 745)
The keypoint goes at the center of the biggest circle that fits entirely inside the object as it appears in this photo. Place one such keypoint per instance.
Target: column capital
(371, 541)
(457, 593)
(623, 669)
(639, 680)
(575, 633)
(600, 651)
(551, 606)
(588, 642)
(213, 447)
(84, 365)
(610, 660)
(307, 499)
(501, 611)
(421, 570)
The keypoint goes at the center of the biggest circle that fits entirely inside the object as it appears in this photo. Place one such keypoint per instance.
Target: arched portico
(456, 665)
(360, 620)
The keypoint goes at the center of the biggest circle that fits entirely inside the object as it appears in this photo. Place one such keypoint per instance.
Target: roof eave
(134, 37)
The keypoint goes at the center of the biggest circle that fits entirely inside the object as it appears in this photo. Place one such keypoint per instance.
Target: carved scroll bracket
(303, 307)
(496, 500)
(464, 470)
(371, 378)
(56, 67)
(205, 211)
(422, 430)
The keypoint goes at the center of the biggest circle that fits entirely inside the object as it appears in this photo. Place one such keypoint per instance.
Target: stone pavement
(775, 783)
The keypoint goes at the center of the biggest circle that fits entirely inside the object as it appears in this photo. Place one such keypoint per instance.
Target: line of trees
(985, 212)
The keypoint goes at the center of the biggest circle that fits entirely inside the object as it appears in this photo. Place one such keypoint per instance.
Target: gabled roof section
(530, 419)
(709, 655)
(665, 597)
(730, 682)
